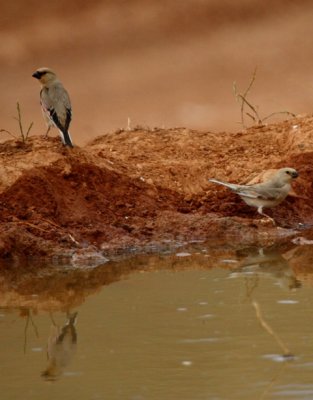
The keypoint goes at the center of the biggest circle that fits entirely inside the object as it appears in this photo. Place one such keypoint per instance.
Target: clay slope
(135, 188)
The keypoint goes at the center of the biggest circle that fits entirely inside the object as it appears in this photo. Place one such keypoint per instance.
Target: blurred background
(159, 63)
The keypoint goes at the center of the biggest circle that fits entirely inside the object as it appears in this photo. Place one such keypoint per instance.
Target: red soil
(133, 188)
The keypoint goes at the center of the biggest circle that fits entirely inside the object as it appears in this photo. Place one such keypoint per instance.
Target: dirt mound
(76, 203)
(183, 159)
(132, 188)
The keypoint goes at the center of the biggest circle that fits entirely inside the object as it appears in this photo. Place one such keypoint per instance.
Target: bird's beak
(295, 174)
(36, 75)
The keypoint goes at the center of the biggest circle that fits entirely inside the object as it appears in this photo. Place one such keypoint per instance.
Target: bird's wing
(56, 94)
(263, 193)
(45, 100)
(62, 125)
(56, 103)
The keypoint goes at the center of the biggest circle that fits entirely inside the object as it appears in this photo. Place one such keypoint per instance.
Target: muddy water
(198, 324)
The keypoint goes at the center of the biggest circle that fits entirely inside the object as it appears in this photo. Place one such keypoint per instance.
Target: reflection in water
(274, 381)
(286, 352)
(204, 323)
(61, 347)
(267, 263)
(27, 312)
(270, 263)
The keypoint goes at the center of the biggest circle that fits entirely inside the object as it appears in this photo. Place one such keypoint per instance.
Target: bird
(55, 103)
(267, 194)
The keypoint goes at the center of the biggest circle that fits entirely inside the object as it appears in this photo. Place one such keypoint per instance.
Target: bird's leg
(260, 211)
(261, 252)
(49, 127)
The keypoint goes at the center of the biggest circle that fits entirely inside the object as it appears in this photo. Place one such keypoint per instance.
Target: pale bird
(267, 194)
(55, 103)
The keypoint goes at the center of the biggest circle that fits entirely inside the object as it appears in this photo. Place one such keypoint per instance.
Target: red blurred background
(156, 62)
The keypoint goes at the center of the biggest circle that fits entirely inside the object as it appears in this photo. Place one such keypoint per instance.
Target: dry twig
(23, 134)
(253, 112)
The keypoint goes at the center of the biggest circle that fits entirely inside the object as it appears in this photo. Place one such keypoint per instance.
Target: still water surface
(189, 330)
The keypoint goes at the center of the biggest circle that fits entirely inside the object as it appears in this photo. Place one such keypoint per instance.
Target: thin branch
(8, 132)
(32, 226)
(22, 135)
(70, 236)
(242, 99)
(237, 99)
(251, 82)
(278, 112)
(251, 116)
(20, 120)
(29, 128)
(269, 330)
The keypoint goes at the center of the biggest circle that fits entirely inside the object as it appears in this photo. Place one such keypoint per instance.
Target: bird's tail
(68, 328)
(229, 185)
(66, 138)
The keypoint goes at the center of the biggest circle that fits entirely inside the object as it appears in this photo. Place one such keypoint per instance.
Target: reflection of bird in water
(61, 348)
(270, 263)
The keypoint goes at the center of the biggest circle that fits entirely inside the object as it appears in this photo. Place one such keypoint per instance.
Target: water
(201, 324)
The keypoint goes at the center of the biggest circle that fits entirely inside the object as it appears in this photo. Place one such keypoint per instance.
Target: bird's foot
(267, 220)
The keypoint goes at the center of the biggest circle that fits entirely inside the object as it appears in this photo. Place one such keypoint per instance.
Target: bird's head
(44, 75)
(286, 175)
